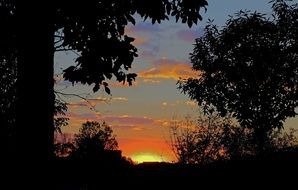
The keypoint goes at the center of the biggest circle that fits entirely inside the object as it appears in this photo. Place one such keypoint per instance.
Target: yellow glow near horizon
(146, 157)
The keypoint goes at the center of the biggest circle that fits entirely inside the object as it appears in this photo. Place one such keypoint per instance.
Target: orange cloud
(168, 69)
(121, 85)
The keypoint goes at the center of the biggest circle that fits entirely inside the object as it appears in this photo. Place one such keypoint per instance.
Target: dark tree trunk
(261, 138)
(35, 103)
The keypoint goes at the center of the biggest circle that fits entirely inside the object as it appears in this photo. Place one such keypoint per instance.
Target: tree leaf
(108, 91)
(96, 87)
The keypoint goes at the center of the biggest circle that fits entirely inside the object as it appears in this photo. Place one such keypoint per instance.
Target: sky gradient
(140, 115)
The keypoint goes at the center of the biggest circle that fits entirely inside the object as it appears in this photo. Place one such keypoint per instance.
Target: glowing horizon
(147, 157)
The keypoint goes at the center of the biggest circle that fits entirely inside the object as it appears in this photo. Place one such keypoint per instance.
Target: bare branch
(92, 107)
(58, 48)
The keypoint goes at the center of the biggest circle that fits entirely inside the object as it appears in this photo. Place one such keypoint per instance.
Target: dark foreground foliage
(274, 170)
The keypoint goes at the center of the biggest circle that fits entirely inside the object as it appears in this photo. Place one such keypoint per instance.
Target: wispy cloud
(120, 99)
(143, 27)
(151, 81)
(76, 105)
(189, 35)
(112, 119)
(140, 31)
(105, 99)
(178, 103)
(146, 54)
(129, 120)
(83, 116)
(92, 102)
(139, 40)
(167, 104)
(123, 85)
(136, 123)
(168, 69)
(164, 104)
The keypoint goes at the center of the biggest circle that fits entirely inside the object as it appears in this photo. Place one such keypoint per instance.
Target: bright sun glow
(146, 157)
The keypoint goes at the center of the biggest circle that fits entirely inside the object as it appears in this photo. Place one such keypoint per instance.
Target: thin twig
(62, 49)
(92, 107)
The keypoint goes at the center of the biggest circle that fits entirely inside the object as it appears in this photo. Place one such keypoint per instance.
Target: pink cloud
(139, 40)
(129, 120)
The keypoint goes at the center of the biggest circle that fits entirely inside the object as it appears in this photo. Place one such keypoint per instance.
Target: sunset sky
(140, 115)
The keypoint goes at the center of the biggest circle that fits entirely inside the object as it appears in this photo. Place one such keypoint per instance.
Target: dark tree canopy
(249, 68)
(93, 139)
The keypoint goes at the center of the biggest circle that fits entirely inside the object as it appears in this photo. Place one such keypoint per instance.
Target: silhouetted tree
(93, 140)
(210, 138)
(249, 68)
(95, 31)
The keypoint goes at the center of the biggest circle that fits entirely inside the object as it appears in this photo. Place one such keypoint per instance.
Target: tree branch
(92, 107)
(62, 49)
